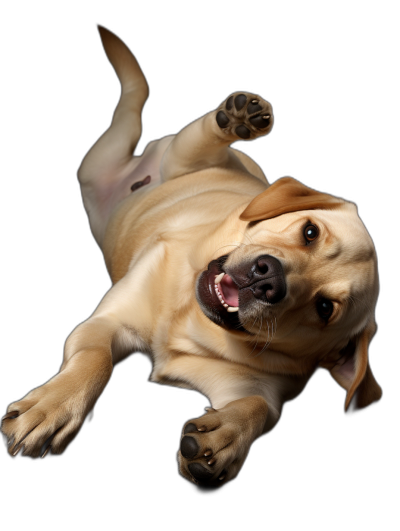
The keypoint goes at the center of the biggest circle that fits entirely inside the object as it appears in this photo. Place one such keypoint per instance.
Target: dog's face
(305, 281)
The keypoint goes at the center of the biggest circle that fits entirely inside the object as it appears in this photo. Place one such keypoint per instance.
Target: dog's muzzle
(263, 279)
(224, 292)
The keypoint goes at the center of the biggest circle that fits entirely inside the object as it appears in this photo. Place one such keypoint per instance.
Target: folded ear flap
(287, 195)
(353, 372)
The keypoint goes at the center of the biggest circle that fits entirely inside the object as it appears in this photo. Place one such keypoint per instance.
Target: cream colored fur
(156, 242)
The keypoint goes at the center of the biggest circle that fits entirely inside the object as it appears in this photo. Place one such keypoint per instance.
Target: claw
(45, 452)
(10, 415)
(17, 450)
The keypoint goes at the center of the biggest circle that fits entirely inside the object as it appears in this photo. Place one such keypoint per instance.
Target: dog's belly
(137, 176)
(143, 170)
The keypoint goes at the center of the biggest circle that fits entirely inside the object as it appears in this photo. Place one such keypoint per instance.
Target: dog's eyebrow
(337, 295)
(360, 252)
(350, 300)
(335, 248)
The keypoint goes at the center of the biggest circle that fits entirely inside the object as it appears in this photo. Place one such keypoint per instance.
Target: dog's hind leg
(205, 142)
(109, 162)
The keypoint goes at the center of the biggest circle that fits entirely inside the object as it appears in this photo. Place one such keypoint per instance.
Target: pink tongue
(229, 291)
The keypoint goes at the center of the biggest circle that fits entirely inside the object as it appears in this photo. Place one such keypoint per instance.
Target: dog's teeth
(232, 309)
(219, 278)
(226, 305)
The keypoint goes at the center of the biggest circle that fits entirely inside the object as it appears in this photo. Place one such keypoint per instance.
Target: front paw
(245, 115)
(47, 418)
(214, 447)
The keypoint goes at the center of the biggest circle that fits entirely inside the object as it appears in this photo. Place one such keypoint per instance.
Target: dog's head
(304, 283)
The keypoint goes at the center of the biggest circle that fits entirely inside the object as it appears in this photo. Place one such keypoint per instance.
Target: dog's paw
(47, 418)
(214, 447)
(245, 115)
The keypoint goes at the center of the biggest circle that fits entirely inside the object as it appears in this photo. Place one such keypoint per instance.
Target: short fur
(187, 210)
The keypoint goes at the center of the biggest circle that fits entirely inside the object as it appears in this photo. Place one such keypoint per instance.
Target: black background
(328, 78)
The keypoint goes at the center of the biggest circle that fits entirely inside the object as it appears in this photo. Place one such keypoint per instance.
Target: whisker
(257, 336)
(253, 339)
(256, 339)
(246, 236)
(269, 339)
(243, 233)
(353, 299)
(259, 330)
(228, 245)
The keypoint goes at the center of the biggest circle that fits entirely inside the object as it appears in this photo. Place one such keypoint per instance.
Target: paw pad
(245, 116)
(199, 472)
(189, 447)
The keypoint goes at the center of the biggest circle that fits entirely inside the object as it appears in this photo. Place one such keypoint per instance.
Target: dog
(234, 287)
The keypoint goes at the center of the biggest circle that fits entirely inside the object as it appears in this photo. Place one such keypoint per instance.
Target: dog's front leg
(205, 142)
(51, 415)
(245, 404)
(214, 447)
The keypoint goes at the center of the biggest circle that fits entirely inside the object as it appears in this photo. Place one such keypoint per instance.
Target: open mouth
(227, 292)
(218, 296)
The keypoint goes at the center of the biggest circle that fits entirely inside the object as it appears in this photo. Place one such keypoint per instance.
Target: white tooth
(219, 278)
(226, 306)
(232, 309)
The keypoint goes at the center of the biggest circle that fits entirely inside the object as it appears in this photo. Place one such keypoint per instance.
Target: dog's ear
(287, 195)
(353, 372)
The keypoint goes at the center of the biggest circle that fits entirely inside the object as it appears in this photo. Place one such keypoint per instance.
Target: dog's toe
(242, 131)
(200, 472)
(222, 120)
(240, 101)
(190, 428)
(189, 447)
(253, 107)
(261, 121)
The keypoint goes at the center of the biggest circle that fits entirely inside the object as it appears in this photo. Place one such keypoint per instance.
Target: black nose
(268, 279)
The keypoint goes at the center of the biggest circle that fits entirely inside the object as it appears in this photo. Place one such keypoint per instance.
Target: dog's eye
(324, 309)
(311, 233)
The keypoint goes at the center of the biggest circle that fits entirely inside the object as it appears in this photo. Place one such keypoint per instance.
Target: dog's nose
(268, 279)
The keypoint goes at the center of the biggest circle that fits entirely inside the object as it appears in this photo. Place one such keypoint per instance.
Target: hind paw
(245, 115)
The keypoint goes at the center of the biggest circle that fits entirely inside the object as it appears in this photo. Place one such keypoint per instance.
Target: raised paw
(245, 115)
(47, 418)
(214, 447)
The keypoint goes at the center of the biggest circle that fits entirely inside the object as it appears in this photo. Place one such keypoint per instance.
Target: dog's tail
(118, 143)
(126, 67)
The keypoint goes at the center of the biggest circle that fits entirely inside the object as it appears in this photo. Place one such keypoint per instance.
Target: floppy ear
(353, 372)
(287, 195)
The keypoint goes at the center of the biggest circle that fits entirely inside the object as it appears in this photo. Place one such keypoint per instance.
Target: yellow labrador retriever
(234, 287)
